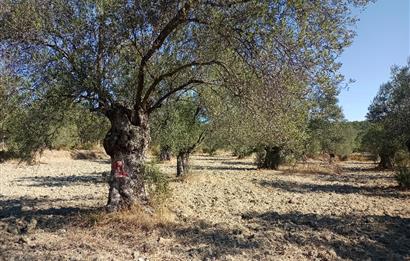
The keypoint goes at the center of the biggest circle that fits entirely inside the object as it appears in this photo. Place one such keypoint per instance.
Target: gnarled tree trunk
(271, 159)
(126, 144)
(183, 156)
(385, 161)
(182, 163)
(165, 153)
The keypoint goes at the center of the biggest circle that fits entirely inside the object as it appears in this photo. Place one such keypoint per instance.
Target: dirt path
(226, 210)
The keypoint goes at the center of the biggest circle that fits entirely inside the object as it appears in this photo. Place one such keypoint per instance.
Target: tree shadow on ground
(202, 241)
(101, 161)
(62, 181)
(234, 163)
(351, 237)
(362, 169)
(356, 178)
(296, 187)
(48, 216)
(355, 162)
(221, 168)
(306, 172)
(200, 157)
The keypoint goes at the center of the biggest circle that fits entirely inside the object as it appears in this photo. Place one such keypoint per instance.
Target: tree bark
(385, 161)
(408, 145)
(332, 158)
(271, 158)
(182, 163)
(165, 153)
(126, 144)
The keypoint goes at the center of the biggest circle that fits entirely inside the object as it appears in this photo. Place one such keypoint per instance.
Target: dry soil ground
(225, 210)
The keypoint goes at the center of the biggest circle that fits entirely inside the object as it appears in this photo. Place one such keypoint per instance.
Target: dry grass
(313, 168)
(135, 218)
(88, 154)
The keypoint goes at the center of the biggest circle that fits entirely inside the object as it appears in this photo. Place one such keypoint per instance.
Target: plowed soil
(225, 210)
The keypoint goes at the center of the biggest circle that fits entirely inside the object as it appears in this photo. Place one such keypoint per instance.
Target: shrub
(260, 157)
(243, 152)
(156, 183)
(155, 150)
(290, 159)
(403, 176)
(211, 151)
(402, 161)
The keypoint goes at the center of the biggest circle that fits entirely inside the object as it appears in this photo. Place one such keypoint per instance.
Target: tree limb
(172, 73)
(171, 92)
(178, 19)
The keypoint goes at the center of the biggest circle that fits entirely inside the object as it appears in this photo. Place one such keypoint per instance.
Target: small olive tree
(181, 127)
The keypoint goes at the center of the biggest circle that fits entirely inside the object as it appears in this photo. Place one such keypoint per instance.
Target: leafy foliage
(140, 54)
(180, 125)
(389, 114)
(263, 120)
(125, 59)
(337, 138)
(43, 126)
(403, 176)
(156, 183)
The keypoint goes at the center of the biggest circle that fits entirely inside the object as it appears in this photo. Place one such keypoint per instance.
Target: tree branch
(102, 93)
(178, 19)
(172, 73)
(171, 92)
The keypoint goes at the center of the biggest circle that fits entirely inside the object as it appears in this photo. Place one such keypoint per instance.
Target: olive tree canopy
(125, 58)
(390, 114)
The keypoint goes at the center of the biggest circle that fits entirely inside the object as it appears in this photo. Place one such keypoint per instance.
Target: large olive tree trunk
(182, 163)
(270, 158)
(126, 144)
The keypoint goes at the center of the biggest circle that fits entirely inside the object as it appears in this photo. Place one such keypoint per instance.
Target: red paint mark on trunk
(118, 167)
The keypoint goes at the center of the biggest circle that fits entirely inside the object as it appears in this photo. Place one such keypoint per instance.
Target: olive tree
(390, 114)
(269, 124)
(125, 58)
(181, 127)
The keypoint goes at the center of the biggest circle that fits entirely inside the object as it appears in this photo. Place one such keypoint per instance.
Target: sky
(383, 40)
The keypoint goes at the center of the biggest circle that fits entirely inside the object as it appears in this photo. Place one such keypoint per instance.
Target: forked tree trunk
(165, 153)
(271, 158)
(126, 144)
(385, 161)
(182, 163)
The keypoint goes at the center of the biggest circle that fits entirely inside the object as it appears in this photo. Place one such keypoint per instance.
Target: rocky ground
(225, 210)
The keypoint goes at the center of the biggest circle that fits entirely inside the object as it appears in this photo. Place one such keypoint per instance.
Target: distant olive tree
(271, 125)
(390, 114)
(332, 138)
(181, 128)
